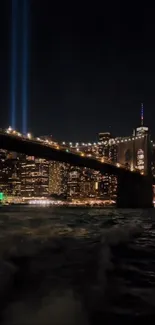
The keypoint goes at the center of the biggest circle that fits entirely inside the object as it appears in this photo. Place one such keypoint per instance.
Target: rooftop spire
(142, 114)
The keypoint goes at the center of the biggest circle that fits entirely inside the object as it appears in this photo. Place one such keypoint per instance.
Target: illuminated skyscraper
(55, 178)
(103, 147)
(14, 181)
(104, 136)
(3, 172)
(34, 177)
(58, 177)
(82, 183)
(10, 183)
(87, 183)
(73, 183)
(142, 130)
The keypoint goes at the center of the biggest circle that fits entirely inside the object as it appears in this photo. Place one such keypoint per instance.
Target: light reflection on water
(92, 264)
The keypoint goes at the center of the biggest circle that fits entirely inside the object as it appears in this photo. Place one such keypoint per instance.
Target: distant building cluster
(28, 176)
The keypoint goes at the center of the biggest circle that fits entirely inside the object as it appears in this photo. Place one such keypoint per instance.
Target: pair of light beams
(15, 49)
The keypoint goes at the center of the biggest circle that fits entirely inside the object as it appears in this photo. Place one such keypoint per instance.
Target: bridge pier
(134, 191)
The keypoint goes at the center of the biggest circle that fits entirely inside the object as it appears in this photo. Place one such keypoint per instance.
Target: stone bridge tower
(135, 151)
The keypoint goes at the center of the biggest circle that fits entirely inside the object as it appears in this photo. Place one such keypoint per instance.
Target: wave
(111, 237)
(120, 234)
(61, 260)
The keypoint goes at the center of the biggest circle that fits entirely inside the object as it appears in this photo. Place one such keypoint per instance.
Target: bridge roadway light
(29, 136)
(132, 169)
(118, 165)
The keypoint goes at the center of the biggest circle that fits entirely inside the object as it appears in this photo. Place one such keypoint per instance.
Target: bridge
(133, 191)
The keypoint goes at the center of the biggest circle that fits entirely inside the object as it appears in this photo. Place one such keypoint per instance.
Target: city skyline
(119, 170)
(95, 139)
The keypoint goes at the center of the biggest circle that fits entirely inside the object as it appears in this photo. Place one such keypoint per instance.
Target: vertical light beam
(13, 63)
(25, 66)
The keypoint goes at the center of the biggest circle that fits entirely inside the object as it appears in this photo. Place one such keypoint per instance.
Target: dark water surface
(76, 266)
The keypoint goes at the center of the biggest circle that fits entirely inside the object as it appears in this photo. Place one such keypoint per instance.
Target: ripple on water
(93, 264)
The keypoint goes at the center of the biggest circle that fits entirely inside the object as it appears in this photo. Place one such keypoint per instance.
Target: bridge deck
(37, 149)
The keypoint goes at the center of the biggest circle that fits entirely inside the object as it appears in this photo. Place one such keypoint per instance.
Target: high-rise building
(58, 178)
(105, 142)
(3, 172)
(104, 136)
(34, 177)
(10, 183)
(141, 130)
(55, 178)
(105, 186)
(87, 183)
(73, 184)
(14, 181)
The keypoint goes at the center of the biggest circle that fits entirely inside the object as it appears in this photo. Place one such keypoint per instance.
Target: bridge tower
(136, 152)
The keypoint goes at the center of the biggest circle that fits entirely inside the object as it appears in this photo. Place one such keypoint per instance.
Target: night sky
(89, 68)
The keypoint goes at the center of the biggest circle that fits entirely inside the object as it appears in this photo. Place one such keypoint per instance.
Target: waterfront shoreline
(69, 206)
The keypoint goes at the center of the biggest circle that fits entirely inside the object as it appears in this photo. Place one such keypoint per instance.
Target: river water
(76, 266)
